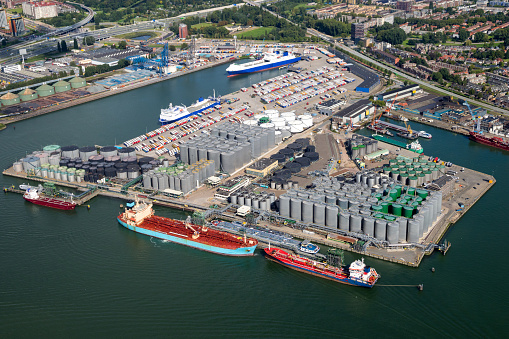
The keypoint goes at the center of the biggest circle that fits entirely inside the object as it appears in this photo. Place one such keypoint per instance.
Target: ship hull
(52, 203)
(396, 143)
(238, 252)
(486, 141)
(262, 68)
(168, 121)
(343, 280)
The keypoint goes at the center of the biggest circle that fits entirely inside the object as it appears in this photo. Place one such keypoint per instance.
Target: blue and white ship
(175, 113)
(269, 61)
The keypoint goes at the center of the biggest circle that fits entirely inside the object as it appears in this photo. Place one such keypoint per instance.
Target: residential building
(17, 25)
(40, 10)
(183, 31)
(358, 31)
(404, 5)
(392, 59)
(11, 3)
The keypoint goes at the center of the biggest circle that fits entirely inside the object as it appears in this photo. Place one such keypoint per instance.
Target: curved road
(412, 78)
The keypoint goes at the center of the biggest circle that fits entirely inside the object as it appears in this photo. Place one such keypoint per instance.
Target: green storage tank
(399, 189)
(389, 218)
(422, 193)
(28, 94)
(408, 211)
(418, 200)
(378, 196)
(378, 216)
(411, 173)
(77, 82)
(377, 208)
(396, 209)
(62, 86)
(411, 191)
(393, 162)
(385, 207)
(9, 99)
(45, 90)
(394, 194)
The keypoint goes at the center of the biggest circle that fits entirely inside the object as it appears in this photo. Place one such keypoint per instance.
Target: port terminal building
(401, 93)
(329, 107)
(262, 167)
(354, 113)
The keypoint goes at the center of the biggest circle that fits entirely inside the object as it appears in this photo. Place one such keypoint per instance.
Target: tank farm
(396, 209)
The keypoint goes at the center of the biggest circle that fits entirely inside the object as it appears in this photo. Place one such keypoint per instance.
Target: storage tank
(413, 231)
(331, 216)
(403, 224)
(393, 232)
(70, 151)
(319, 213)
(9, 99)
(343, 203)
(380, 229)
(295, 209)
(368, 226)
(126, 152)
(28, 94)
(307, 211)
(420, 219)
(86, 152)
(45, 90)
(425, 212)
(77, 82)
(108, 151)
(355, 223)
(62, 86)
(307, 120)
(344, 221)
(284, 206)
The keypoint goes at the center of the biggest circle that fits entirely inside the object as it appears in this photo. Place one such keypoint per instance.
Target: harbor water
(81, 274)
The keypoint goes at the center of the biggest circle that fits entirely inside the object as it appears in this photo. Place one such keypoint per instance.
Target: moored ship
(33, 196)
(175, 113)
(269, 61)
(496, 142)
(141, 219)
(413, 146)
(356, 274)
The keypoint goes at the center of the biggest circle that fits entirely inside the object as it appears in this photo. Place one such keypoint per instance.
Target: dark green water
(79, 274)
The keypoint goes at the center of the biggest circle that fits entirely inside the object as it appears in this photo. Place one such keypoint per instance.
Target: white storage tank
(296, 126)
(307, 120)
(251, 122)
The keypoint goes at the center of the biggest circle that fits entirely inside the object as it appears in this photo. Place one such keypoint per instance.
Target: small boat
(424, 134)
(415, 146)
(308, 247)
(26, 187)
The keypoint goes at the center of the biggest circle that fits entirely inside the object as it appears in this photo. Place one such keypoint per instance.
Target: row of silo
(359, 146)
(414, 172)
(180, 177)
(262, 201)
(41, 91)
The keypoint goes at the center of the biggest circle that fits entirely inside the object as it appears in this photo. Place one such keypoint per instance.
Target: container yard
(250, 159)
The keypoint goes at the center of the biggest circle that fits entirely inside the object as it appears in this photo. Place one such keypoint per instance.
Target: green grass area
(2, 126)
(15, 10)
(136, 34)
(201, 25)
(257, 33)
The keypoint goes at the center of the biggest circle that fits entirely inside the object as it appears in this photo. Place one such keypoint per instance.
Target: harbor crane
(474, 118)
(387, 110)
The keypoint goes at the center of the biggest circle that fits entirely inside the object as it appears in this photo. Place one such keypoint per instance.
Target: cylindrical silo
(380, 229)
(155, 182)
(413, 231)
(403, 224)
(295, 208)
(147, 182)
(331, 216)
(319, 213)
(368, 226)
(307, 211)
(393, 232)
(284, 206)
(344, 221)
(355, 223)
(420, 219)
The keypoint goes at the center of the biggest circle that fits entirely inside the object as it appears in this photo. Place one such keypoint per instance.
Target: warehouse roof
(397, 90)
(262, 164)
(354, 109)
(329, 103)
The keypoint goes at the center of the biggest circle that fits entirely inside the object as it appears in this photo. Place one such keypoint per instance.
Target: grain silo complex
(62, 86)
(45, 90)
(28, 94)
(9, 99)
(77, 82)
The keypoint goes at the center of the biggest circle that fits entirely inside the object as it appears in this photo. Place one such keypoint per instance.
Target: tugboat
(308, 247)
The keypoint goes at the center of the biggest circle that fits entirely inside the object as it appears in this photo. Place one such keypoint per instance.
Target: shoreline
(107, 93)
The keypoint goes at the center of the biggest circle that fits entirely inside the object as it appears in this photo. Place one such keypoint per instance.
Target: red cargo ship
(356, 274)
(496, 142)
(32, 196)
(141, 219)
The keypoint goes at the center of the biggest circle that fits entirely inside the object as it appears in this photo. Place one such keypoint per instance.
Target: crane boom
(474, 118)
(387, 109)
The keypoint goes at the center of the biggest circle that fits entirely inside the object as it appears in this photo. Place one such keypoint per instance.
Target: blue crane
(474, 118)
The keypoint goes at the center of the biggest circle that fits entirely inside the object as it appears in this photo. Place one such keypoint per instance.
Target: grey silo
(227, 162)
(420, 219)
(233, 199)
(239, 157)
(171, 182)
(256, 203)
(155, 182)
(413, 231)
(248, 201)
(246, 152)
(263, 205)
(344, 221)
(178, 181)
(331, 216)
(195, 177)
(186, 183)
(330, 199)
(202, 153)
(368, 226)
(432, 212)
(295, 208)
(427, 218)
(393, 232)
(271, 137)
(264, 144)
(380, 229)
(319, 213)
(213, 154)
(161, 181)
(193, 154)
(241, 200)
(403, 225)
(355, 223)
(343, 203)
